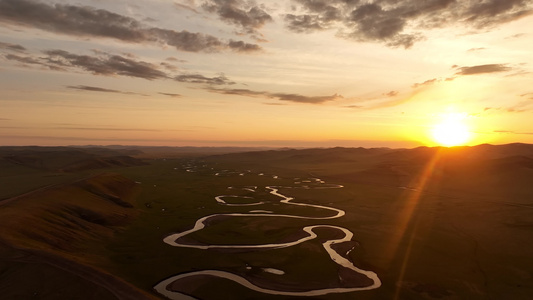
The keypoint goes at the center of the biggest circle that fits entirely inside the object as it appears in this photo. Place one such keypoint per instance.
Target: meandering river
(174, 240)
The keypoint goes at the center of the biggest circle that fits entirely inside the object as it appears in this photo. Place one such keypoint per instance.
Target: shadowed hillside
(67, 159)
(432, 223)
(45, 233)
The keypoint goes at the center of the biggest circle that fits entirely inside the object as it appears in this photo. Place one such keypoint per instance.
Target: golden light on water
(452, 130)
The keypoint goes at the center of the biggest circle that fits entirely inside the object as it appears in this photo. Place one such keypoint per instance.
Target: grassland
(432, 223)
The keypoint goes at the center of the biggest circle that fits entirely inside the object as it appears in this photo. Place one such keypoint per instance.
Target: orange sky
(264, 73)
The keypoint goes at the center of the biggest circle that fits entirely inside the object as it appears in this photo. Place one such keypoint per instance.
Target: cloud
(516, 36)
(107, 64)
(399, 23)
(305, 99)
(23, 59)
(512, 132)
(529, 95)
(175, 59)
(171, 95)
(12, 47)
(475, 49)
(188, 41)
(483, 69)
(280, 96)
(92, 89)
(243, 14)
(391, 94)
(185, 7)
(304, 23)
(241, 46)
(99, 89)
(99, 23)
(168, 66)
(425, 83)
(197, 78)
(106, 129)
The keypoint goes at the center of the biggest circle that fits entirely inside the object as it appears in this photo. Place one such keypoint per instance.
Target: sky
(292, 73)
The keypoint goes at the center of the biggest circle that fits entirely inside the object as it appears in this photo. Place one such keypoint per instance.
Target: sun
(452, 131)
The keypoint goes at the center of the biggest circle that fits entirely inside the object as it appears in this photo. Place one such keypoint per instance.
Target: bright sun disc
(451, 131)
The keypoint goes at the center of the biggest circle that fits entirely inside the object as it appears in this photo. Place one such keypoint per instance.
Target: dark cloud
(99, 89)
(188, 41)
(482, 69)
(197, 78)
(171, 95)
(241, 46)
(70, 19)
(239, 92)
(305, 99)
(304, 23)
(92, 89)
(280, 96)
(108, 65)
(99, 23)
(398, 23)
(12, 47)
(245, 15)
(23, 59)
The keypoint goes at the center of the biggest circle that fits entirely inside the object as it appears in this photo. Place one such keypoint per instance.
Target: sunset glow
(263, 73)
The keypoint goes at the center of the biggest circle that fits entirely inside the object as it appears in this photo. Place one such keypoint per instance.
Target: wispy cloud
(483, 69)
(391, 94)
(528, 95)
(171, 95)
(280, 96)
(512, 132)
(106, 129)
(107, 64)
(12, 47)
(102, 90)
(475, 49)
(465, 71)
(100, 23)
(186, 7)
(26, 60)
(197, 78)
(425, 83)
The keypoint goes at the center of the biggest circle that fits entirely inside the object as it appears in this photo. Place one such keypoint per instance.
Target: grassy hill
(433, 223)
(45, 235)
